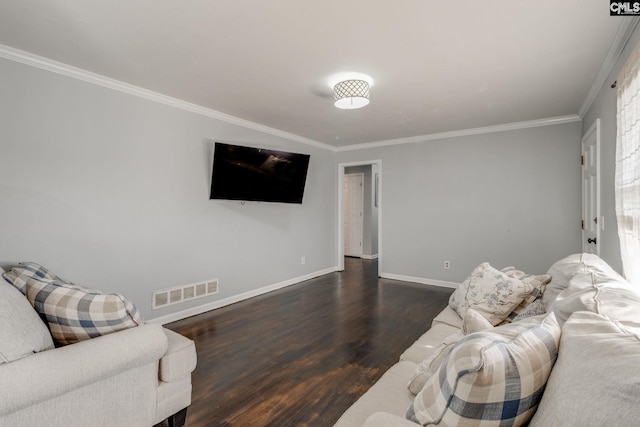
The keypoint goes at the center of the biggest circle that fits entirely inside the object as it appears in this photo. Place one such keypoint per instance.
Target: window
(627, 177)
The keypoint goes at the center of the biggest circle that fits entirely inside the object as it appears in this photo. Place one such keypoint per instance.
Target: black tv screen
(258, 174)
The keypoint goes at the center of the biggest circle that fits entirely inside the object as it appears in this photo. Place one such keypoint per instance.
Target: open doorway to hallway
(359, 203)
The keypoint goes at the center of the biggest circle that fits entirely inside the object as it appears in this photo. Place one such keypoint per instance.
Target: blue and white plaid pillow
(21, 275)
(491, 378)
(76, 314)
(73, 313)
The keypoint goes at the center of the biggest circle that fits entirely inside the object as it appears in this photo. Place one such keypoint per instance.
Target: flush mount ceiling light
(350, 90)
(351, 94)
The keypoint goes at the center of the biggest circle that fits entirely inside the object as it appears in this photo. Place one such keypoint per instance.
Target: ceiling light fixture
(351, 94)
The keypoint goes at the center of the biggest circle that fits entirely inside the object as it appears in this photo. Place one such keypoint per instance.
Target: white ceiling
(437, 66)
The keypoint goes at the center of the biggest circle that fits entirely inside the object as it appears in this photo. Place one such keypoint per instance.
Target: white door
(353, 210)
(592, 222)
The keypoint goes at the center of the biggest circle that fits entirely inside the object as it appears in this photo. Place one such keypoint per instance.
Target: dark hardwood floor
(300, 356)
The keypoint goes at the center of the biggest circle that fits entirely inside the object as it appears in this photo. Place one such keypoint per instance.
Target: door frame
(340, 212)
(594, 129)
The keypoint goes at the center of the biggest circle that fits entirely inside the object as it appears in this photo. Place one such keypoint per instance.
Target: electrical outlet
(303, 260)
(447, 265)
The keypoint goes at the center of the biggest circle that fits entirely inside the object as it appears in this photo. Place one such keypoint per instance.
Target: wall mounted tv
(257, 174)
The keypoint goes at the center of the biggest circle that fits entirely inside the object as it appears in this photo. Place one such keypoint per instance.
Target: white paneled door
(353, 210)
(592, 222)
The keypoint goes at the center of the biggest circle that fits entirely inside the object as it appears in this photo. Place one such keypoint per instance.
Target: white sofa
(595, 379)
(134, 377)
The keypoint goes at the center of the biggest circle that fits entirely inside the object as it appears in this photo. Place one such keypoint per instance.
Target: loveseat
(568, 354)
(83, 358)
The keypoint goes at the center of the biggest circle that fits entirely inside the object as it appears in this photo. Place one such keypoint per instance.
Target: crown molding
(465, 132)
(27, 58)
(47, 64)
(625, 30)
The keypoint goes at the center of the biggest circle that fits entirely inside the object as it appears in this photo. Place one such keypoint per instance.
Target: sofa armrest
(180, 359)
(383, 419)
(51, 373)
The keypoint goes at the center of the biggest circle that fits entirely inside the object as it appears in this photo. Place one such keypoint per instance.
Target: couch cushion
(496, 377)
(491, 292)
(448, 316)
(388, 394)
(564, 270)
(73, 313)
(596, 380)
(427, 344)
(383, 419)
(22, 332)
(591, 291)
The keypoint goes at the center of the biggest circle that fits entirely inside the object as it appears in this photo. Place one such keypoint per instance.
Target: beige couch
(595, 379)
(134, 377)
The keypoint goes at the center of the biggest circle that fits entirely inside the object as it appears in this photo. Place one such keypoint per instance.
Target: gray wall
(605, 108)
(510, 198)
(370, 214)
(111, 191)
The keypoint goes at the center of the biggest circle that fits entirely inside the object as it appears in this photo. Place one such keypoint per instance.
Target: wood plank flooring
(300, 356)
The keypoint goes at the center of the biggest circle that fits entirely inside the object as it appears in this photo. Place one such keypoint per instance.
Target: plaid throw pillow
(76, 314)
(19, 276)
(73, 313)
(491, 378)
(472, 322)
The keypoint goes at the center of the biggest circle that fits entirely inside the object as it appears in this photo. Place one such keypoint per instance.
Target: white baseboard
(421, 280)
(374, 256)
(162, 320)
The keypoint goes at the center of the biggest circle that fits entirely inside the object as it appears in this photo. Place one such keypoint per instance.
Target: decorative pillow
(490, 292)
(73, 313)
(537, 285)
(536, 308)
(491, 378)
(473, 322)
(596, 381)
(26, 272)
(538, 282)
(22, 333)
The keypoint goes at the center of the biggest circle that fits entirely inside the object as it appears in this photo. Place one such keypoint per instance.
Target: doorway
(368, 246)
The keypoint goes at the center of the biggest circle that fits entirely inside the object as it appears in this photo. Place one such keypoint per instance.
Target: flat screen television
(257, 174)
